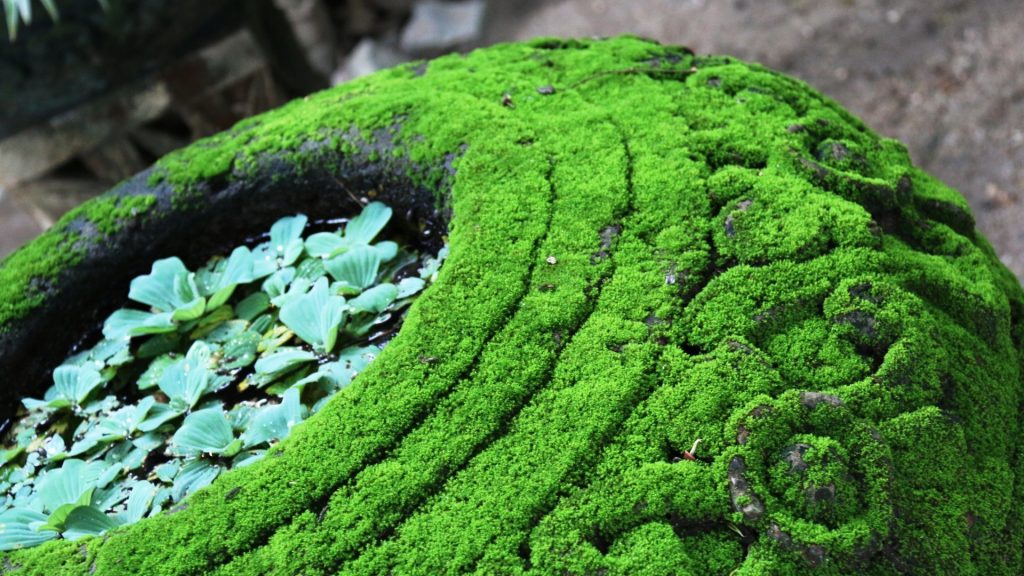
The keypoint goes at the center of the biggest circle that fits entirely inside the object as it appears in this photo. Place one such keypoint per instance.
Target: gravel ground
(943, 76)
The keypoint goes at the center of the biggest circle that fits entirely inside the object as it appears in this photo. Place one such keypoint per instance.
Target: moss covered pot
(647, 248)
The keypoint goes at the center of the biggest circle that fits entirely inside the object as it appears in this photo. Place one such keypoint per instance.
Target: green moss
(667, 248)
(29, 272)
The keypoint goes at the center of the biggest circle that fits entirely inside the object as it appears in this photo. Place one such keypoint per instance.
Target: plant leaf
(282, 360)
(298, 288)
(87, 521)
(17, 531)
(12, 20)
(151, 377)
(375, 300)
(433, 265)
(311, 269)
(286, 239)
(339, 374)
(159, 414)
(409, 286)
(204, 431)
(226, 331)
(278, 282)
(126, 323)
(325, 245)
(237, 269)
(103, 354)
(189, 311)
(51, 9)
(74, 384)
(55, 521)
(159, 344)
(315, 317)
(194, 475)
(356, 268)
(139, 501)
(123, 422)
(167, 471)
(25, 8)
(273, 423)
(252, 306)
(188, 379)
(167, 288)
(387, 250)
(364, 227)
(69, 484)
(240, 351)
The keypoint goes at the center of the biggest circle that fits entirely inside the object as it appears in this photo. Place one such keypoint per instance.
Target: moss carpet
(648, 248)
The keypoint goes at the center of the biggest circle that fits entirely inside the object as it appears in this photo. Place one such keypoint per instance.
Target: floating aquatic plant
(217, 366)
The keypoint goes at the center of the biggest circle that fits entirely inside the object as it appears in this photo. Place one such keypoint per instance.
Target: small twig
(347, 191)
(689, 454)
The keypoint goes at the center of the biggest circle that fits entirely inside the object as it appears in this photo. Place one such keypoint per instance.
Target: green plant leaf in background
(310, 269)
(297, 289)
(360, 231)
(273, 423)
(105, 354)
(197, 473)
(151, 377)
(206, 431)
(169, 287)
(124, 422)
(356, 269)
(240, 351)
(325, 245)
(409, 286)
(252, 306)
(375, 300)
(286, 238)
(185, 381)
(277, 283)
(221, 282)
(72, 385)
(280, 362)
(18, 529)
(139, 501)
(158, 415)
(339, 374)
(69, 484)
(57, 520)
(432, 266)
(126, 323)
(363, 228)
(284, 248)
(13, 9)
(315, 317)
(87, 521)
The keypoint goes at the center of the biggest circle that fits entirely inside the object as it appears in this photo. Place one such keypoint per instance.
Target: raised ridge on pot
(647, 248)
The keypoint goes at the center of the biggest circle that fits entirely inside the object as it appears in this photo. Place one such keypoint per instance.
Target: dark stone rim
(332, 186)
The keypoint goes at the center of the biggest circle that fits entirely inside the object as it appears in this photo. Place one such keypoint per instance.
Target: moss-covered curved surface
(647, 248)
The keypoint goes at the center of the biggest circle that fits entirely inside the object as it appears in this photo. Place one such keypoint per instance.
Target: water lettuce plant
(214, 367)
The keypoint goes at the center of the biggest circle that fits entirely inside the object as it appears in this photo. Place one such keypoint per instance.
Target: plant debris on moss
(663, 249)
(219, 365)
